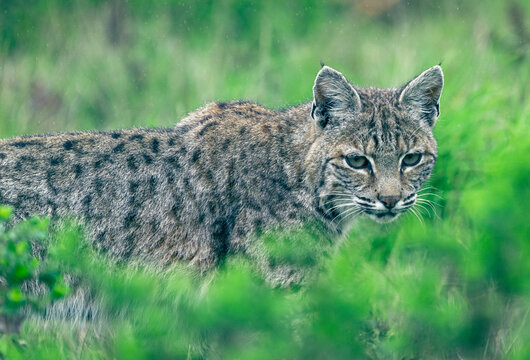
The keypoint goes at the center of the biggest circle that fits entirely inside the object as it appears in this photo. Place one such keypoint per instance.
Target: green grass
(455, 286)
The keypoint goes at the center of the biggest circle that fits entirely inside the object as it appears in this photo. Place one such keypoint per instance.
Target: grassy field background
(454, 286)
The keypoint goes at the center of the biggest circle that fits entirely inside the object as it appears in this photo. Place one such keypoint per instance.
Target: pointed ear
(333, 95)
(421, 96)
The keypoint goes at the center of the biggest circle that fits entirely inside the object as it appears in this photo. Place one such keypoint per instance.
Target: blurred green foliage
(456, 286)
(19, 268)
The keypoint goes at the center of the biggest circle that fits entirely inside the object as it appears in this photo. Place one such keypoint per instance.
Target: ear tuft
(333, 96)
(421, 96)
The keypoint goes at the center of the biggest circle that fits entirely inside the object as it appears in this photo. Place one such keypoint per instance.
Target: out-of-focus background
(75, 65)
(455, 285)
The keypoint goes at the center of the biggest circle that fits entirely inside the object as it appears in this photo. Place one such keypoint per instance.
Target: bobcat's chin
(384, 217)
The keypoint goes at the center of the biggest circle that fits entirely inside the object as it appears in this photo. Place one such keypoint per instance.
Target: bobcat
(231, 170)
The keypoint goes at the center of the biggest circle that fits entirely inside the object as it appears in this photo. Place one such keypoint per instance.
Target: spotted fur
(230, 170)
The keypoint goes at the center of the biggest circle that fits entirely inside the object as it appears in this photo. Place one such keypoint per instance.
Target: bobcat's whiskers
(343, 203)
(423, 204)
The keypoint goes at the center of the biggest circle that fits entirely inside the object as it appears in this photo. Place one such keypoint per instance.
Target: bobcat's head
(374, 148)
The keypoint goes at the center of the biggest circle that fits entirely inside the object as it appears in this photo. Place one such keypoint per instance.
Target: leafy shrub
(20, 268)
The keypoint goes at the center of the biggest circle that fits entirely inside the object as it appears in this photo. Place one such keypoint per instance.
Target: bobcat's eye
(357, 162)
(411, 159)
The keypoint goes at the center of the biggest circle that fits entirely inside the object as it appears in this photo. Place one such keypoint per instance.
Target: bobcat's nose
(389, 201)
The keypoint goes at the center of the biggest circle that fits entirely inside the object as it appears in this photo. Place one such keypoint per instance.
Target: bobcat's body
(229, 170)
(193, 192)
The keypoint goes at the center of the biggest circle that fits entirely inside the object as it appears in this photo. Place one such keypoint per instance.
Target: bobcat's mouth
(382, 216)
(385, 214)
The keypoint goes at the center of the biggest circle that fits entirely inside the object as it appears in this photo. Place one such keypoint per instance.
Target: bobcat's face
(378, 174)
(375, 145)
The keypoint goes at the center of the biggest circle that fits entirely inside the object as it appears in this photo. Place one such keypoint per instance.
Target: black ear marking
(323, 121)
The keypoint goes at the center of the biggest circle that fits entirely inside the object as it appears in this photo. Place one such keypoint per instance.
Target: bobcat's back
(191, 193)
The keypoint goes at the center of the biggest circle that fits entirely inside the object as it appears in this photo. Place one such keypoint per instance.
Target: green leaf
(22, 272)
(16, 296)
(22, 248)
(59, 291)
(49, 277)
(5, 213)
